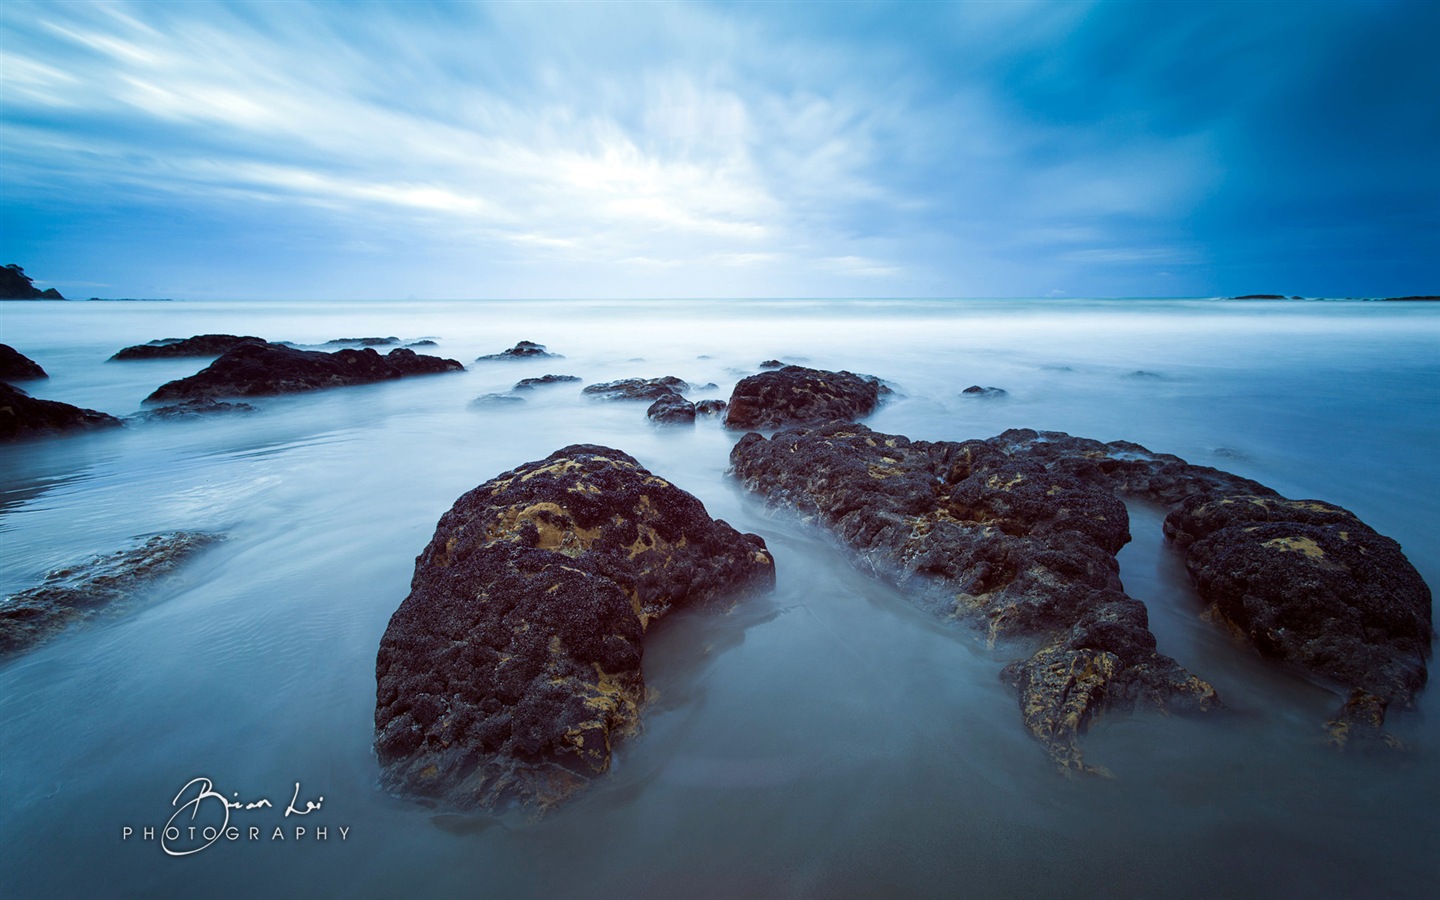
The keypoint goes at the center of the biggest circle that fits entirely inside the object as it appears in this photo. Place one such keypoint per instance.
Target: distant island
(16, 285)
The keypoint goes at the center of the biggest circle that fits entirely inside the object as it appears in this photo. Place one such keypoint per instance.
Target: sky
(295, 150)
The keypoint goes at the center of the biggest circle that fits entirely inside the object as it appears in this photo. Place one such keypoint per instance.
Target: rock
(514, 665)
(199, 345)
(1141, 373)
(16, 285)
(983, 531)
(1311, 586)
(364, 342)
(522, 350)
(103, 585)
(23, 416)
(256, 370)
(426, 342)
(771, 364)
(709, 407)
(988, 393)
(191, 409)
(672, 409)
(1260, 297)
(16, 366)
(797, 395)
(1419, 298)
(637, 388)
(489, 401)
(526, 384)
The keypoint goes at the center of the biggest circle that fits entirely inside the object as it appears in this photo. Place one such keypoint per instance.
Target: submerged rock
(490, 401)
(989, 393)
(771, 364)
(256, 370)
(199, 345)
(16, 366)
(671, 409)
(508, 673)
(103, 585)
(796, 395)
(981, 532)
(651, 389)
(364, 342)
(526, 384)
(1311, 586)
(522, 350)
(709, 407)
(191, 409)
(23, 416)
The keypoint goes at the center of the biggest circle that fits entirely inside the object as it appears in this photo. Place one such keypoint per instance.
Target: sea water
(826, 739)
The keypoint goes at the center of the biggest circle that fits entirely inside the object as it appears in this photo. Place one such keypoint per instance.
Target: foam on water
(825, 739)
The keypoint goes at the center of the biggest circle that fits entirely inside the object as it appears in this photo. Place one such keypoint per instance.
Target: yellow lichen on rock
(1303, 545)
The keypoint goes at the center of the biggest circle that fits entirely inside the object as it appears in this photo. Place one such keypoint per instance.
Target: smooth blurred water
(825, 740)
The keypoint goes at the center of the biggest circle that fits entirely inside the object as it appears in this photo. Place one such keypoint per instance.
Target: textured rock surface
(16, 366)
(522, 350)
(528, 384)
(672, 409)
(104, 585)
(709, 407)
(982, 531)
(191, 409)
(795, 395)
(257, 370)
(993, 393)
(651, 389)
(510, 670)
(23, 416)
(1311, 586)
(199, 345)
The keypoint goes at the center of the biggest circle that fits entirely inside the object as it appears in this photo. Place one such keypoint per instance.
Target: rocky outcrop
(527, 384)
(512, 668)
(101, 586)
(23, 416)
(257, 370)
(671, 409)
(364, 342)
(1311, 586)
(16, 366)
(522, 350)
(984, 393)
(980, 532)
(199, 345)
(16, 285)
(651, 389)
(795, 395)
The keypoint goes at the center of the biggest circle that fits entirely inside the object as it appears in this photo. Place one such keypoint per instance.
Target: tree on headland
(16, 285)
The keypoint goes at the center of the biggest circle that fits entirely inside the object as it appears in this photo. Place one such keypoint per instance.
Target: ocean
(824, 740)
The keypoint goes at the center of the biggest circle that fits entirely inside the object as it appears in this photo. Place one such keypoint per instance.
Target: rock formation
(23, 416)
(257, 370)
(511, 669)
(795, 395)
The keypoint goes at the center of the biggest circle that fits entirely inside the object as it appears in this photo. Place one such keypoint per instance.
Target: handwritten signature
(202, 795)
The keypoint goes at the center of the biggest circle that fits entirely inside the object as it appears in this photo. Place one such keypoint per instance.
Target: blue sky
(329, 150)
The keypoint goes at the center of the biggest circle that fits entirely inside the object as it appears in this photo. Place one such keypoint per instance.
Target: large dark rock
(651, 389)
(256, 370)
(16, 366)
(1310, 585)
(796, 395)
(513, 666)
(199, 345)
(671, 409)
(982, 531)
(23, 416)
(16, 285)
(104, 585)
(522, 350)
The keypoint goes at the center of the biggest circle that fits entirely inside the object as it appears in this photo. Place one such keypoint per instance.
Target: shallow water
(824, 740)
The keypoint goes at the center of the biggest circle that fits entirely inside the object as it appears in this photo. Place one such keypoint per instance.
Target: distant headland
(16, 285)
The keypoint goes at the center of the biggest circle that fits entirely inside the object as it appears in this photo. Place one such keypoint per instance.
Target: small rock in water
(651, 389)
(16, 366)
(992, 393)
(709, 407)
(364, 342)
(672, 409)
(522, 350)
(103, 585)
(797, 395)
(23, 417)
(493, 400)
(526, 384)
